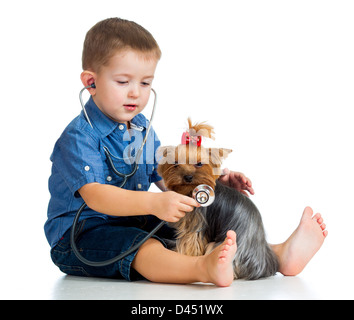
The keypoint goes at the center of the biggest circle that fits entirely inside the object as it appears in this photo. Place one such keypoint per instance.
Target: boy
(120, 58)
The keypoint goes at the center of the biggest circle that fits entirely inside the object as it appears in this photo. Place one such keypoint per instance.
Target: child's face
(123, 86)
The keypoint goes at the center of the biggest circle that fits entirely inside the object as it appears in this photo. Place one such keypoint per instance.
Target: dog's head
(188, 165)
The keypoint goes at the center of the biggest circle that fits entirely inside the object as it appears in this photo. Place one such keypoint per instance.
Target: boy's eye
(145, 84)
(198, 165)
(122, 82)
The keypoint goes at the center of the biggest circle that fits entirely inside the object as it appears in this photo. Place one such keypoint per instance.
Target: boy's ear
(88, 78)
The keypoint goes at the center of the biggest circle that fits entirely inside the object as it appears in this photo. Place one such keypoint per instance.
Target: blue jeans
(100, 239)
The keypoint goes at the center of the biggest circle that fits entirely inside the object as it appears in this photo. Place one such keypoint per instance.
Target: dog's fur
(186, 166)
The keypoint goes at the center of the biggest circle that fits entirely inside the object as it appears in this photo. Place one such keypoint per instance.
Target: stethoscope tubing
(73, 233)
(116, 258)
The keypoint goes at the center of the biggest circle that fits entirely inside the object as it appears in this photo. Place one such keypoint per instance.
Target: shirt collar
(106, 125)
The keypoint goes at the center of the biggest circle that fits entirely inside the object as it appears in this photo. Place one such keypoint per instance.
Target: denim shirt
(78, 158)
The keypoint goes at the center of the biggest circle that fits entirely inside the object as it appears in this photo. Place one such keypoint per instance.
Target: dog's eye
(198, 165)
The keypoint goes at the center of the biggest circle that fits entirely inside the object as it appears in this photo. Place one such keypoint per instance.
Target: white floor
(61, 287)
(277, 287)
(320, 280)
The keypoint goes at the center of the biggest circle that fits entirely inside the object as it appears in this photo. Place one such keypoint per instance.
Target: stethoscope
(203, 194)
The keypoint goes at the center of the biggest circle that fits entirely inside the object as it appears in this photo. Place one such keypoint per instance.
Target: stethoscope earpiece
(204, 195)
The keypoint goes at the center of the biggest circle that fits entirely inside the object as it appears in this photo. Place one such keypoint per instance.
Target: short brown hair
(112, 35)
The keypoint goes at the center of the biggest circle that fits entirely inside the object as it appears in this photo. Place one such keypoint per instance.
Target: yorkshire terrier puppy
(188, 165)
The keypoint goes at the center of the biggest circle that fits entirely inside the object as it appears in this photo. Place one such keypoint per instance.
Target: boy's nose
(133, 91)
(188, 178)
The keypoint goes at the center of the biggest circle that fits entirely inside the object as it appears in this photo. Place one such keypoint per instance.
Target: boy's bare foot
(306, 240)
(219, 263)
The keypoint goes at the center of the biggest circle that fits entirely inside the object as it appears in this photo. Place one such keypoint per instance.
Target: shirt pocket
(123, 168)
(142, 180)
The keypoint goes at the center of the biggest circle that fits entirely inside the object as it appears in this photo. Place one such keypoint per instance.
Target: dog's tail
(263, 263)
(232, 210)
(254, 258)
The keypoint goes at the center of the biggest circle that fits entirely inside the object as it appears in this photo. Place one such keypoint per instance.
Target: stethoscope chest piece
(204, 195)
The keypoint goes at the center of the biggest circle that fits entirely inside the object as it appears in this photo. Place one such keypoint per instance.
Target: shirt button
(121, 127)
(109, 178)
(87, 168)
(139, 186)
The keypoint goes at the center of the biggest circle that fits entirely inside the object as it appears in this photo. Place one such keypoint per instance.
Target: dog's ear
(216, 155)
(224, 153)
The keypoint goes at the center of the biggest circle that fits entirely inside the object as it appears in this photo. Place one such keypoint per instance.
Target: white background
(275, 78)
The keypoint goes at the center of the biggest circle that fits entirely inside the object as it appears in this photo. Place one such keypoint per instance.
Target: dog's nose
(188, 178)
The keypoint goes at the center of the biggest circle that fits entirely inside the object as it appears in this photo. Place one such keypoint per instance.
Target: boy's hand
(171, 206)
(237, 180)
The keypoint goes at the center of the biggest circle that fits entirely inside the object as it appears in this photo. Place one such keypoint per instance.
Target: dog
(188, 165)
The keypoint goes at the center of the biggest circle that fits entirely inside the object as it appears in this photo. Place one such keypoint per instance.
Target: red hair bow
(187, 139)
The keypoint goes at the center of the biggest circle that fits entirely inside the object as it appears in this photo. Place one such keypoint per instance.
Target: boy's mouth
(130, 107)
